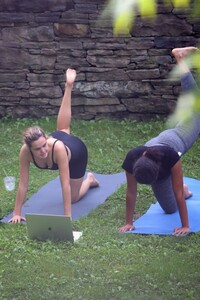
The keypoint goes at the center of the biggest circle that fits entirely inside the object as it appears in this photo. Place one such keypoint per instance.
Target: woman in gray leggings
(158, 162)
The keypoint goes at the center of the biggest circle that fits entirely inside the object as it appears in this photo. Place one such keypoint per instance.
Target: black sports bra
(54, 166)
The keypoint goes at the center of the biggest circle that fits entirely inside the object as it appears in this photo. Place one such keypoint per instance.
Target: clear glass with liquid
(9, 183)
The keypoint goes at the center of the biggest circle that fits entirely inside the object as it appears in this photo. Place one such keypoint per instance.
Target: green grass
(102, 264)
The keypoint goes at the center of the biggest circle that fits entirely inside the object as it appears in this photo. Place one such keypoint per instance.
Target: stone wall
(117, 77)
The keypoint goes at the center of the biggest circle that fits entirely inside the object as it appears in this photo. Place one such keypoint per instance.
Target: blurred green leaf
(181, 3)
(147, 8)
(122, 15)
(123, 23)
(184, 109)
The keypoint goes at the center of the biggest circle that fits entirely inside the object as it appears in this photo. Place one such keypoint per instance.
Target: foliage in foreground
(103, 264)
(122, 14)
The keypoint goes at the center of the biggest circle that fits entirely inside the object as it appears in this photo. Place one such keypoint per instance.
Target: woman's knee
(168, 205)
(170, 210)
(75, 189)
(75, 194)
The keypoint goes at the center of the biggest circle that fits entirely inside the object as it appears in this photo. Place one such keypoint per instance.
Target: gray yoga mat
(48, 199)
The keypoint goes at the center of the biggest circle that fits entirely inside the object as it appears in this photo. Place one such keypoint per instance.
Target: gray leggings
(180, 138)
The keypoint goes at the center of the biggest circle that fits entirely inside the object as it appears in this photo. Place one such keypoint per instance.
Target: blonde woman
(59, 151)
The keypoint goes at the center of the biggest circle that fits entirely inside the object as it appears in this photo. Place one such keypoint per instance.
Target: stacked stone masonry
(118, 77)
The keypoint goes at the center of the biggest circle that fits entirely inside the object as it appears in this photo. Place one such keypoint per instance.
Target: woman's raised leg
(64, 114)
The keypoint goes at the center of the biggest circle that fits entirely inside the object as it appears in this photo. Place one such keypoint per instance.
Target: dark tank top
(54, 165)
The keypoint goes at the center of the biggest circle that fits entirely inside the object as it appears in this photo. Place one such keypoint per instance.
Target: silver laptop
(43, 227)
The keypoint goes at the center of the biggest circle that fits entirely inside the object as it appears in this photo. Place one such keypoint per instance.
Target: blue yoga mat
(155, 221)
(48, 199)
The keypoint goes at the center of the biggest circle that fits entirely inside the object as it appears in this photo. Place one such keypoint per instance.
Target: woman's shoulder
(25, 154)
(24, 149)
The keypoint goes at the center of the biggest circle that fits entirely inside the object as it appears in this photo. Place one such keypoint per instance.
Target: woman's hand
(127, 227)
(17, 219)
(181, 231)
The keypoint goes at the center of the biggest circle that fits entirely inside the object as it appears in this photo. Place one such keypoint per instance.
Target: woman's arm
(131, 194)
(24, 164)
(62, 160)
(177, 183)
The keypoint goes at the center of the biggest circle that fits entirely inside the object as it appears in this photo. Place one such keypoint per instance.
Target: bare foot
(180, 53)
(187, 193)
(70, 76)
(93, 181)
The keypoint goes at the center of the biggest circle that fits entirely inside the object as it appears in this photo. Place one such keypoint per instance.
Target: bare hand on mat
(127, 227)
(17, 219)
(181, 231)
